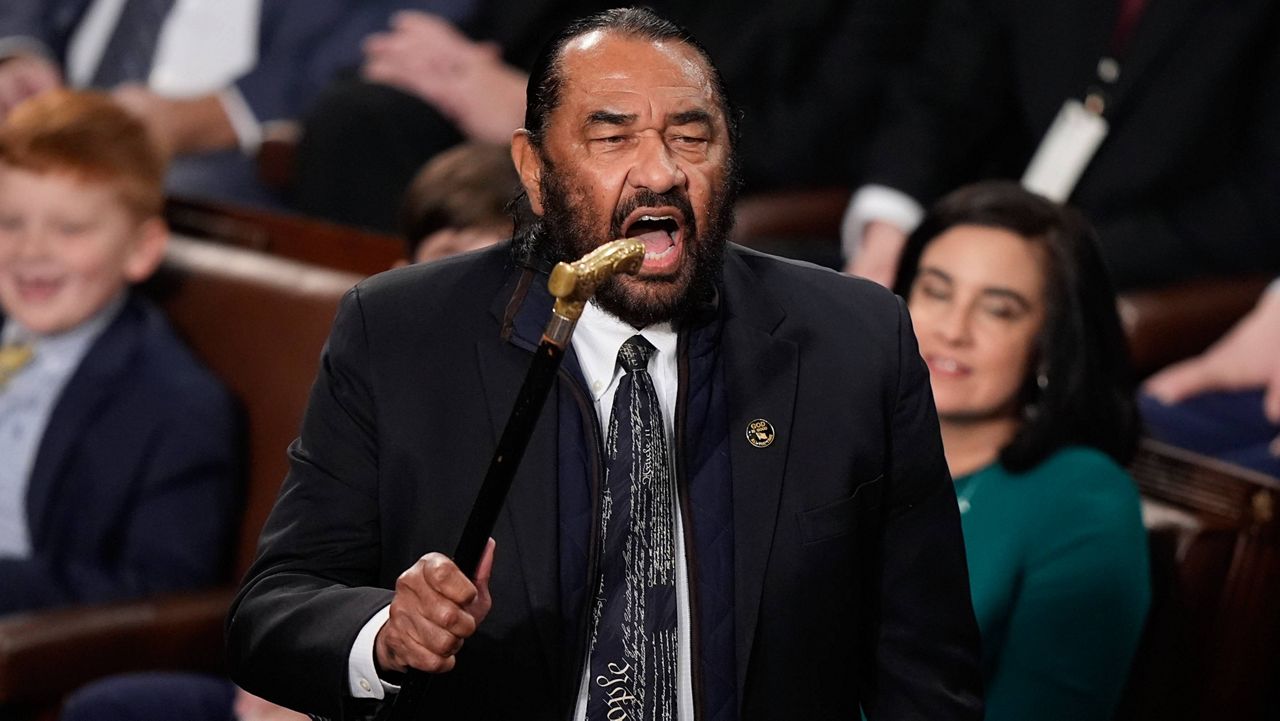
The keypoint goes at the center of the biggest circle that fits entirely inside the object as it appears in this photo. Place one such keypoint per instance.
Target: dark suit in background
(810, 77)
(302, 44)
(134, 487)
(1185, 184)
(848, 571)
(363, 142)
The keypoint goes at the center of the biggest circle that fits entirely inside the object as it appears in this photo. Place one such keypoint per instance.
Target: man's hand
(879, 253)
(435, 609)
(486, 100)
(467, 81)
(25, 76)
(417, 44)
(1246, 357)
(179, 125)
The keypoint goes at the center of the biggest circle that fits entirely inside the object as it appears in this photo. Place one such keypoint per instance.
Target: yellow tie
(12, 359)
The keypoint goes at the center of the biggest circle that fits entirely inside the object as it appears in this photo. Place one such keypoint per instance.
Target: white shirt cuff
(243, 121)
(877, 202)
(1274, 286)
(362, 672)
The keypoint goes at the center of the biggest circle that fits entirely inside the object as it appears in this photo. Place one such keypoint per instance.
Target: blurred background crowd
(1127, 147)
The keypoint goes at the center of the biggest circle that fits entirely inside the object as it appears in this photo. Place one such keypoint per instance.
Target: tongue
(655, 241)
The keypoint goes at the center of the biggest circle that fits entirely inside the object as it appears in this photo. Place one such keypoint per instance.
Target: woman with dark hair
(1016, 320)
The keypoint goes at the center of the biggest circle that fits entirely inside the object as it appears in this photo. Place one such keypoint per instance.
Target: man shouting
(735, 503)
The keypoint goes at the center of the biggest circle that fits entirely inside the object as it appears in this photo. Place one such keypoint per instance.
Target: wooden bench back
(259, 323)
(1212, 645)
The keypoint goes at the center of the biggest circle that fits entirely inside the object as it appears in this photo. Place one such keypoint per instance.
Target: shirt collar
(60, 351)
(599, 335)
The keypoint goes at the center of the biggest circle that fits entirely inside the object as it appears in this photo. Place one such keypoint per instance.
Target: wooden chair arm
(46, 654)
(1167, 324)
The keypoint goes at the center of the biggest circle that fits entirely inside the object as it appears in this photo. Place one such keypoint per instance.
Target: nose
(655, 168)
(952, 324)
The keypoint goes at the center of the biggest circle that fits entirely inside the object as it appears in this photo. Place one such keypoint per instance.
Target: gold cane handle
(574, 283)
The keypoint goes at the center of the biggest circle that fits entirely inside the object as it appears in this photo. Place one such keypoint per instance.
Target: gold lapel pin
(760, 433)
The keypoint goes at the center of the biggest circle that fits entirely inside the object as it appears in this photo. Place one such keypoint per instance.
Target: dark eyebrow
(936, 273)
(687, 117)
(996, 291)
(605, 117)
(1012, 295)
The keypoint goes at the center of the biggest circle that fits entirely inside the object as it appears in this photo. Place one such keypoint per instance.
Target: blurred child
(457, 202)
(118, 450)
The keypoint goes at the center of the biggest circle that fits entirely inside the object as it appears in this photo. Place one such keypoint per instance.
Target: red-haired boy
(118, 450)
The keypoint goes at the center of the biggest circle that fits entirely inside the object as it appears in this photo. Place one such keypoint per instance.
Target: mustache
(645, 198)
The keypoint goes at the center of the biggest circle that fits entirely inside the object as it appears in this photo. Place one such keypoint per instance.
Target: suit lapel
(92, 383)
(760, 376)
(529, 513)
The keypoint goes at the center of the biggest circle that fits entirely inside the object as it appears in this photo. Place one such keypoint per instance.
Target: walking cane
(572, 284)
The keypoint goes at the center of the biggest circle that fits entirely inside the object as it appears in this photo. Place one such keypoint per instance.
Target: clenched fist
(435, 609)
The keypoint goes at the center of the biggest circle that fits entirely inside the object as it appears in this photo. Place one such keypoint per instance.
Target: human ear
(529, 166)
(147, 251)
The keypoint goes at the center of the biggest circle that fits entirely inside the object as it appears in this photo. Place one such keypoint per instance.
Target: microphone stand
(572, 284)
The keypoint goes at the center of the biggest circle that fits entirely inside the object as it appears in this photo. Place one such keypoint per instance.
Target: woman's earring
(1031, 410)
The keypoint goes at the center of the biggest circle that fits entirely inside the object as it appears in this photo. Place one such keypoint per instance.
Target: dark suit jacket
(134, 486)
(1185, 184)
(301, 43)
(849, 574)
(808, 76)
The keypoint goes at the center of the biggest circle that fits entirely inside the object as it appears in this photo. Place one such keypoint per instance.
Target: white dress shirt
(204, 46)
(596, 341)
(872, 203)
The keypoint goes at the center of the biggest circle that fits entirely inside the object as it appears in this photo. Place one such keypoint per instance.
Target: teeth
(947, 364)
(663, 254)
(655, 217)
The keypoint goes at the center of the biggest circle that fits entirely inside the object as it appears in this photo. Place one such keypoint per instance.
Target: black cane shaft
(506, 457)
(410, 703)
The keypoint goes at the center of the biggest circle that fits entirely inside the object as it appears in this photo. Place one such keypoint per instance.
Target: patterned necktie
(633, 644)
(132, 46)
(12, 359)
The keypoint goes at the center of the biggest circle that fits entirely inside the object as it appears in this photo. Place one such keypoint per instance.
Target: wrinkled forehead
(602, 70)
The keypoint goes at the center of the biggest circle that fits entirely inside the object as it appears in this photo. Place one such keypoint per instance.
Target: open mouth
(661, 232)
(36, 288)
(946, 366)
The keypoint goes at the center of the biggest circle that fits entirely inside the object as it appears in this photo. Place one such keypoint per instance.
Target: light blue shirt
(26, 403)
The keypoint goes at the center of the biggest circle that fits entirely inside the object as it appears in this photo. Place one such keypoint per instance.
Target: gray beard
(562, 235)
